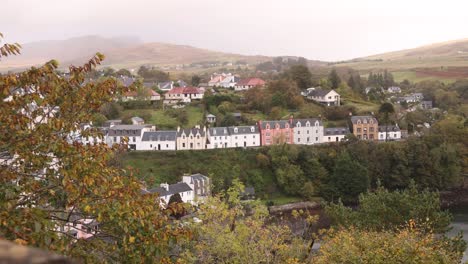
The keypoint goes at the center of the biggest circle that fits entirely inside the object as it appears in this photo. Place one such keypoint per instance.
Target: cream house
(325, 97)
(194, 138)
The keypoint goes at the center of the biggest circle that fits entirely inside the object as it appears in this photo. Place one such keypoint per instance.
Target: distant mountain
(446, 54)
(119, 52)
(78, 50)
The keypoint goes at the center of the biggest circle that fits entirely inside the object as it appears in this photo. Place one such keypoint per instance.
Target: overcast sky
(315, 29)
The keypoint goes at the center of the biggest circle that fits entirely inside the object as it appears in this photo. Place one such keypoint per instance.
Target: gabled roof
(173, 189)
(391, 128)
(219, 131)
(336, 131)
(194, 131)
(198, 176)
(159, 136)
(368, 119)
(185, 90)
(251, 82)
(318, 93)
(281, 123)
(303, 122)
(243, 130)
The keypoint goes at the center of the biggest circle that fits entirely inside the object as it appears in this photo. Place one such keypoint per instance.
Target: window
(329, 138)
(316, 131)
(183, 145)
(235, 137)
(299, 140)
(253, 136)
(191, 145)
(359, 130)
(371, 129)
(245, 137)
(316, 138)
(298, 132)
(115, 139)
(307, 132)
(308, 139)
(167, 145)
(151, 145)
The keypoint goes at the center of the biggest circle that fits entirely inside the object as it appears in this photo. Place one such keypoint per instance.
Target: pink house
(276, 132)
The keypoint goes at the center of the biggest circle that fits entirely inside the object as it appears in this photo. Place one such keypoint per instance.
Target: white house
(335, 134)
(80, 226)
(219, 137)
(200, 184)
(158, 140)
(307, 131)
(165, 191)
(325, 97)
(210, 118)
(183, 94)
(229, 81)
(393, 132)
(133, 133)
(246, 84)
(244, 136)
(136, 120)
(394, 89)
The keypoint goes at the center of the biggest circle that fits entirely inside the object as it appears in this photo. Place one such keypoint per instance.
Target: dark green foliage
(111, 110)
(334, 79)
(195, 80)
(301, 75)
(153, 74)
(123, 72)
(348, 180)
(387, 210)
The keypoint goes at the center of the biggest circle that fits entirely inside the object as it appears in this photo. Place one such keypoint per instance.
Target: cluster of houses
(228, 80)
(265, 133)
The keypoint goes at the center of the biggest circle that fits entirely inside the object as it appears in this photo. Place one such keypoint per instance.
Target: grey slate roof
(219, 131)
(318, 92)
(173, 189)
(159, 136)
(354, 119)
(391, 128)
(126, 130)
(193, 130)
(336, 131)
(281, 123)
(303, 122)
(243, 130)
(199, 177)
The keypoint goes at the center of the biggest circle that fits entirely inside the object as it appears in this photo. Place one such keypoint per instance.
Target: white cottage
(158, 140)
(325, 97)
(244, 136)
(307, 131)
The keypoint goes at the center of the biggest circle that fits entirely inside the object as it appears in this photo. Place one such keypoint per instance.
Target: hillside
(119, 52)
(447, 61)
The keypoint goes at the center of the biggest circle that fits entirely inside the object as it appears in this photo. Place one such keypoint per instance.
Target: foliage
(348, 180)
(153, 74)
(407, 245)
(334, 79)
(301, 75)
(384, 210)
(227, 234)
(46, 176)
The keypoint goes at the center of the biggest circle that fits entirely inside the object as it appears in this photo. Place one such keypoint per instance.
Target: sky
(316, 29)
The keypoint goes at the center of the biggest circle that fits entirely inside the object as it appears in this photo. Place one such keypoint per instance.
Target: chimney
(291, 117)
(178, 129)
(165, 186)
(197, 126)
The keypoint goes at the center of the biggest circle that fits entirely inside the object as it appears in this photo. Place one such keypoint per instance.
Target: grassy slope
(221, 165)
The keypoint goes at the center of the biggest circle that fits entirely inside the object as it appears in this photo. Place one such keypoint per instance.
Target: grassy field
(163, 120)
(414, 77)
(362, 106)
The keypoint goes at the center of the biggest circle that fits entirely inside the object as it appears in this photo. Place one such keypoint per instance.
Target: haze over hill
(445, 60)
(120, 53)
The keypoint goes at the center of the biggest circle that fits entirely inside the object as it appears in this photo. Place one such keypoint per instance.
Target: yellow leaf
(131, 239)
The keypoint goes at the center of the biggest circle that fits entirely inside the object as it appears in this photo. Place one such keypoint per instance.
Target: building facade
(244, 136)
(275, 132)
(325, 97)
(389, 133)
(194, 138)
(133, 133)
(335, 134)
(365, 127)
(307, 131)
(219, 137)
(158, 140)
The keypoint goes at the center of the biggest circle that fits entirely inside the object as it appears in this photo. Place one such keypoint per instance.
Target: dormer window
(359, 121)
(298, 124)
(317, 123)
(365, 121)
(277, 126)
(308, 124)
(236, 130)
(252, 129)
(287, 126)
(372, 121)
(267, 126)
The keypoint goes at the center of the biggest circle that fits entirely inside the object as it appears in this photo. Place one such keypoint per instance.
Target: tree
(386, 109)
(47, 176)
(389, 210)
(334, 79)
(227, 234)
(196, 80)
(301, 75)
(348, 180)
(407, 245)
(123, 72)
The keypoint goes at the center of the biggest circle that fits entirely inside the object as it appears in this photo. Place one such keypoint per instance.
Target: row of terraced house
(265, 133)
